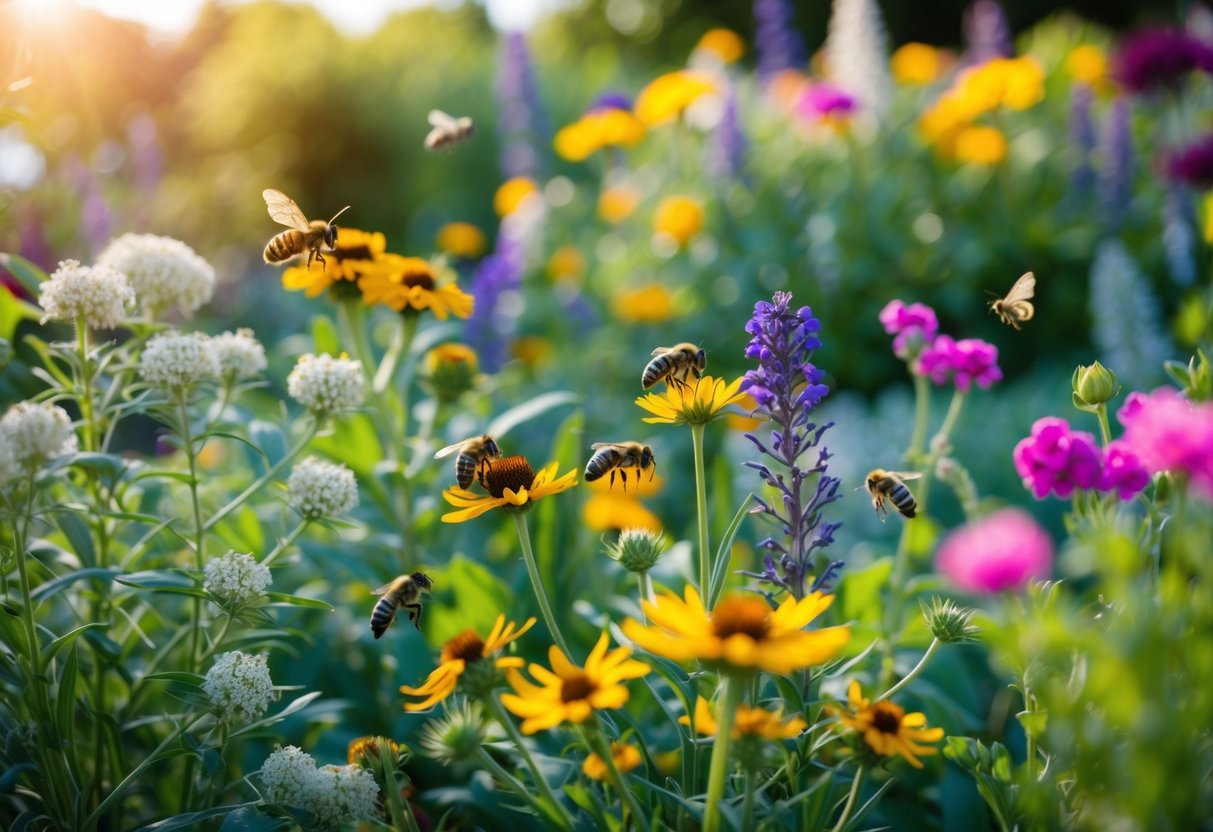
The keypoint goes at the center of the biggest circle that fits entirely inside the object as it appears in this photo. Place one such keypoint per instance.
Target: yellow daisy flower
(668, 95)
(606, 127)
(887, 728)
(408, 284)
(365, 750)
(512, 484)
(742, 634)
(626, 758)
(568, 693)
(460, 653)
(697, 405)
(461, 239)
(355, 251)
(750, 722)
(566, 263)
(980, 145)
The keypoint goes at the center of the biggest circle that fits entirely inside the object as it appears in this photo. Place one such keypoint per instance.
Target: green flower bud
(450, 371)
(457, 737)
(1093, 386)
(637, 550)
(948, 622)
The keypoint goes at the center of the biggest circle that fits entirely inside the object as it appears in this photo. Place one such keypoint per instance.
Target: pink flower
(1002, 551)
(824, 100)
(913, 326)
(1169, 433)
(1057, 459)
(1123, 471)
(964, 362)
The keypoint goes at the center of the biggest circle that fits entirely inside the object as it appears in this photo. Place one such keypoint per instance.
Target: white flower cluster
(97, 294)
(239, 686)
(326, 385)
(322, 489)
(31, 434)
(178, 359)
(333, 795)
(235, 579)
(240, 355)
(163, 272)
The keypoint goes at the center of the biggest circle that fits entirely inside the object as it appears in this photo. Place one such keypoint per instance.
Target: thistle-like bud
(451, 371)
(637, 550)
(457, 737)
(1093, 386)
(949, 623)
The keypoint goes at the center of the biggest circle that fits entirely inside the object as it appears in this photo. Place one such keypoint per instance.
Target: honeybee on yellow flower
(303, 235)
(474, 454)
(673, 365)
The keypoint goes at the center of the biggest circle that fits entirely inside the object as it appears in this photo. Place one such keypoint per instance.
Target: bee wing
(598, 445)
(907, 475)
(443, 453)
(441, 120)
(464, 123)
(283, 209)
(1023, 289)
(660, 351)
(390, 585)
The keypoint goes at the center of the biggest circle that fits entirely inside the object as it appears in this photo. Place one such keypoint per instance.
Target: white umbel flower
(341, 795)
(857, 55)
(235, 579)
(97, 294)
(240, 355)
(286, 776)
(163, 272)
(326, 385)
(33, 433)
(322, 489)
(239, 686)
(178, 359)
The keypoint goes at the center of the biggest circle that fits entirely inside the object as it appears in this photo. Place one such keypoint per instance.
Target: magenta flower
(823, 100)
(1170, 433)
(1000, 552)
(964, 362)
(1194, 164)
(1159, 58)
(913, 326)
(1123, 471)
(1056, 459)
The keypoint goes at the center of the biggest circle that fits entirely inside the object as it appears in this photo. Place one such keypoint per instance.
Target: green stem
(215, 645)
(261, 481)
(1029, 705)
(851, 799)
(940, 440)
(402, 339)
(900, 567)
(701, 507)
(601, 747)
(557, 809)
(918, 668)
(532, 568)
(522, 791)
(199, 527)
(719, 767)
(402, 816)
(1101, 413)
(86, 386)
(285, 543)
(646, 592)
(747, 812)
(922, 414)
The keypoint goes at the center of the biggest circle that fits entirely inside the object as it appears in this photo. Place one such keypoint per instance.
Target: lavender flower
(729, 143)
(1157, 58)
(490, 327)
(777, 44)
(787, 387)
(522, 124)
(1178, 236)
(1082, 139)
(987, 32)
(1194, 164)
(1116, 175)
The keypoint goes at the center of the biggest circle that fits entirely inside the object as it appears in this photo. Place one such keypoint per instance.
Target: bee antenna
(339, 213)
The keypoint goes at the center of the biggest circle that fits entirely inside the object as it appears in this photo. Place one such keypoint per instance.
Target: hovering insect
(474, 455)
(1016, 307)
(405, 592)
(612, 456)
(673, 365)
(447, 130)
(302, 236)
(889, 486)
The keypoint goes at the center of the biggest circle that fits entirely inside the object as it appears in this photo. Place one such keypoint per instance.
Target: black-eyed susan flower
(616, 204)
(691, 405)
(626, 758)
(461, 239)
(568, 693)
(748, 722)
(651, 304)
(410, 284)
(511, 484)
(463, 653)
(355, 252)
(678, 217)
(513, 193)
(666, 96)
(887, 728)
(742, 634)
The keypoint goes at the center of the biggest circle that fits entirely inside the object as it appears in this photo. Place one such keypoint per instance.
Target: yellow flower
(459, 654)
(617, 204)
(616, 512)
(652, 304)
(742, 634)
(680, 217)
(568, 693)
(605, 127)
(1025, 83)
(692, 405)
(511, 484)
(512, 194)
(887, 728)
(354, 253)
(725, 44)
(365, 750)
(450, 370)
(1088, 65)
(409, 284)
(626, 758)
(566, 263)
(980, 145)
(748, 722)
(444, 355)
(744, 423)
(1208, 206)
(531, 350)
(916, 63)
(666, 96)
(461, 239)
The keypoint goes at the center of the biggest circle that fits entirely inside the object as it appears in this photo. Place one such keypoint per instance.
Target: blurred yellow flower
(616, 512)
(566, 263)
(746, 424)
(748, 722)
(680, 217)
(617, 204)
(531, 350)
(639, 487)
(450, 371)
(409, 284)
(1088, 64)
(606, 127)
(626, 757)
(693, 405)
(447, 354)
(511, 484)
(916, 63)
(461, 239)
(980, 145)
(666, 96)
(651, 304)
(461, 652)
(887, 728)
(354, 252)
(512, 194)
(1208, 206)
(1025, 83)
(725, 44)
(365, 750)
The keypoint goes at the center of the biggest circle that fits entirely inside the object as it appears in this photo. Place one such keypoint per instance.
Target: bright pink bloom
(824, 100)
(1002, 551)
(1123, 471)
(1170, 433)
(1057, 459)
(964, 362)
(913, 326)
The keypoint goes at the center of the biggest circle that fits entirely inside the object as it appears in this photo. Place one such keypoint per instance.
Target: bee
(673, 364)
(1016, 307)
(889, 486)
(474, 456)
(302, 236)
(448, 130)
(609, 456)
(405, 592)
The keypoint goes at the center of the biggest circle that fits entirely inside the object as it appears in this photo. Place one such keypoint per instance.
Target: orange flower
(566, 263)
(679, 217)
(980, 145)
(748, 722)
(626, 757)
(461, 239)
(725, 44)
(916, 63)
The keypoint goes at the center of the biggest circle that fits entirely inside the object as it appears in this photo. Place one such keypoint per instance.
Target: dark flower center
(886, 718)
(425, 281)
(575, 688)
(467, 646)
(512, 472)
(748, 616)
(357, 252)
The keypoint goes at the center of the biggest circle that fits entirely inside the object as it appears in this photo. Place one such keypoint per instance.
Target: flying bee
(609, 456)
(474, 455)
(302, 236)
(673, 365)
(448, 130)
(889, 486)
(405, 592)
(1016, 307)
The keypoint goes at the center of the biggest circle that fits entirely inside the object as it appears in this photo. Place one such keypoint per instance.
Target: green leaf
(860, 592)
(268, 440)
(179, 676)
(324, 336)
(30, 276)
(298, 601)
(57, 584)
(13, 311)
(191, 820)
(720, 568)
(10, 775)
(295, 707)
(528, 410)
(78, 534)
(50, 650)
(65, 699)
(163, 474)
(111, 465)
(227, 434)
(466, 594)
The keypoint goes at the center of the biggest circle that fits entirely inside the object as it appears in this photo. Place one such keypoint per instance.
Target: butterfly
(1016, 307)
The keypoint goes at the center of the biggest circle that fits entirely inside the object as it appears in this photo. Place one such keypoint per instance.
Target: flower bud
(457, 737)
(1093, 386)
(949, 623)
(637, 550)
(450, 371)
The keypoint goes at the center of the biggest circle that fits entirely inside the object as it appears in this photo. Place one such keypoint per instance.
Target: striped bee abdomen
(284, 246)
(383, 614)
